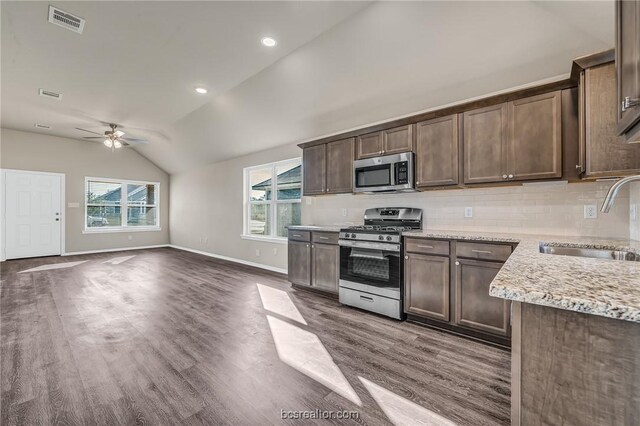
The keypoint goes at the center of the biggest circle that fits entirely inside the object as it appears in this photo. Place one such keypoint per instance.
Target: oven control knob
(388, 237)
(381, 238)
(353, 235)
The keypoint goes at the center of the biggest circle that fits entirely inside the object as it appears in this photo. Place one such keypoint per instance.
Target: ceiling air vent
(41, 126)
(50, 94)
(66, 20)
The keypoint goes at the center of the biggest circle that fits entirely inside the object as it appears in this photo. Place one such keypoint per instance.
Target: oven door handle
(370, 245)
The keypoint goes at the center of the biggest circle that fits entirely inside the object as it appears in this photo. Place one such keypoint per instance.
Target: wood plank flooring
(172, 337)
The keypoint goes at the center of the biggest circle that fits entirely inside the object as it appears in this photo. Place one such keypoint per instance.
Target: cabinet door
(605, 153)
(535, 137)
(485, 144)
(437, 152)
(314, 170)
(475, 309)
(396, 140)
(369, 145)
(426, 286)
(340, 166)
(628, 62)
(326, 267)
(299, 262)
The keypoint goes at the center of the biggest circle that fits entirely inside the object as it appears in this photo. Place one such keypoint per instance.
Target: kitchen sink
(590, 252)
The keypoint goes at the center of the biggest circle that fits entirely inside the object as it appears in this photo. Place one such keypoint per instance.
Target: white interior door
(33, 214)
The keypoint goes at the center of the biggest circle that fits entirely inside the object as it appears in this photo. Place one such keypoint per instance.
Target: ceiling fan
(113, 138)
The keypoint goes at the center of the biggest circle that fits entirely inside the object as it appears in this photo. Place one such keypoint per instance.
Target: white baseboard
(231, 259)
(114, 249)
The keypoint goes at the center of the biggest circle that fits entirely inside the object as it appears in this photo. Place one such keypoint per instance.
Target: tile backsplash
(547, 208)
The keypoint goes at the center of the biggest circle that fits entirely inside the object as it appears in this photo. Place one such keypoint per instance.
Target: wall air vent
(41, 126)
(66, 20)
(50, 94)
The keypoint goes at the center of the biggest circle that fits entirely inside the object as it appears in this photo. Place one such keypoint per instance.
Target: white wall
(536, 209)
(634, 199)
(77, 159)
(207, 209)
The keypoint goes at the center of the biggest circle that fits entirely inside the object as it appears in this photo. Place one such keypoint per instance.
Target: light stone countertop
(323, 228)
(608, 288)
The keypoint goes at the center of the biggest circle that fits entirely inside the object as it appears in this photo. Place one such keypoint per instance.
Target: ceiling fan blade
(118, 133)
(133, 141)
(94, 137)
(88, 131)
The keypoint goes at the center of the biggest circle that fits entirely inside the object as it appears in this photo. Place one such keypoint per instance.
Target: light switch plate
(590, 211)
(633, 211)
(344, 212)
(468, 212)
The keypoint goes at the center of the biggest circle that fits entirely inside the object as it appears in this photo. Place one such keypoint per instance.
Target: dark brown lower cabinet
(427, 286)
(474, 308)
(299, 262)
(312, 264)
(325, 259)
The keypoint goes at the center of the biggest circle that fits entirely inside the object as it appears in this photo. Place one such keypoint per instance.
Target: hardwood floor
(172, 337)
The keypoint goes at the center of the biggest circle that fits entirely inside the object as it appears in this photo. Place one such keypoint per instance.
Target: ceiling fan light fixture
(269, 41)
(108, 143)
(117, 144)
(201, 90)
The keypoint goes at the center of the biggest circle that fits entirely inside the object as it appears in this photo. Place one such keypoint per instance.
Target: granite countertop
(608, 288)
(322, 228)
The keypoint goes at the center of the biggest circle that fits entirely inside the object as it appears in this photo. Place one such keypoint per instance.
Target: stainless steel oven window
(369, 264)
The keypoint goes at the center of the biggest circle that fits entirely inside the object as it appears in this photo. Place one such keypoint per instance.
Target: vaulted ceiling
(337, 65)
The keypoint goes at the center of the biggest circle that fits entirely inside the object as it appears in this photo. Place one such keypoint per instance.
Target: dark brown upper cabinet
(314, 171)
(328, 168)
(485, 144)
(437, 147)
(602, 152)
(535, 137)
(628, 68)
(514, 141)
(389, 141)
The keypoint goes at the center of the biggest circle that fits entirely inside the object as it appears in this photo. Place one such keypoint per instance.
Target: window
(272, 198)
(114, 205)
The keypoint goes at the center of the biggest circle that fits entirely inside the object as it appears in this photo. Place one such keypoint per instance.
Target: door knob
(57, 214)
(57, 219)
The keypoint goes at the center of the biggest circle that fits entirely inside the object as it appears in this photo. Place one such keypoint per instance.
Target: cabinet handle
(324, 238)
(406, 257)
(428, 247)
(504, 176)
(307, 245)
(629, 103)
(510, 176)
(457, 263)
(579, 167)
(482, 251)
(368, 299)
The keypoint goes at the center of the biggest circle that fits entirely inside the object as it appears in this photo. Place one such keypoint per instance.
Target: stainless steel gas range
(371, 262)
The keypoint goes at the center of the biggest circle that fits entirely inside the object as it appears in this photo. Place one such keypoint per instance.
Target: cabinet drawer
(297, 235)
(325, 237)
(370, 302)
(500, 252)
(419, 245)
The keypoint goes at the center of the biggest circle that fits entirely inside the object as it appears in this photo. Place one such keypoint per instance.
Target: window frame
(124, 206)
(273, 203)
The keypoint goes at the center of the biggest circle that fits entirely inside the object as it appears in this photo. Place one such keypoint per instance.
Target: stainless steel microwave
(389, 173)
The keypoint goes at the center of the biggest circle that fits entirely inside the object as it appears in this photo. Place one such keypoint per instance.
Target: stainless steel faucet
(613, 192)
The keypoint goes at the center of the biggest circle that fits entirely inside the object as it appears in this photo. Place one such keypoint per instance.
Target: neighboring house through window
(272, 198)
(113, 204)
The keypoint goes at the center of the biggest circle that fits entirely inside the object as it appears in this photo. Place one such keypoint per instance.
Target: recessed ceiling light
(201, 90)
(269, 41)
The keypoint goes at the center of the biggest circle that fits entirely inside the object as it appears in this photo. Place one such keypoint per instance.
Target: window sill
(264, 239)
(121, 229)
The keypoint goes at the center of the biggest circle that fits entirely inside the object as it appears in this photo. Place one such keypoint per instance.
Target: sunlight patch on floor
(305, 352)
(279, 302)
(119, 260)
(400, 410)
(53, 266)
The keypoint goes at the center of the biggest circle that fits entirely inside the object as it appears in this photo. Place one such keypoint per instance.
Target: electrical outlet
(275, 251)
(205, 240)
(468, 212)
(308, 200)
(590, 211)
(633, 211)
(257, 252)
(130, 237)
(344, 212)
